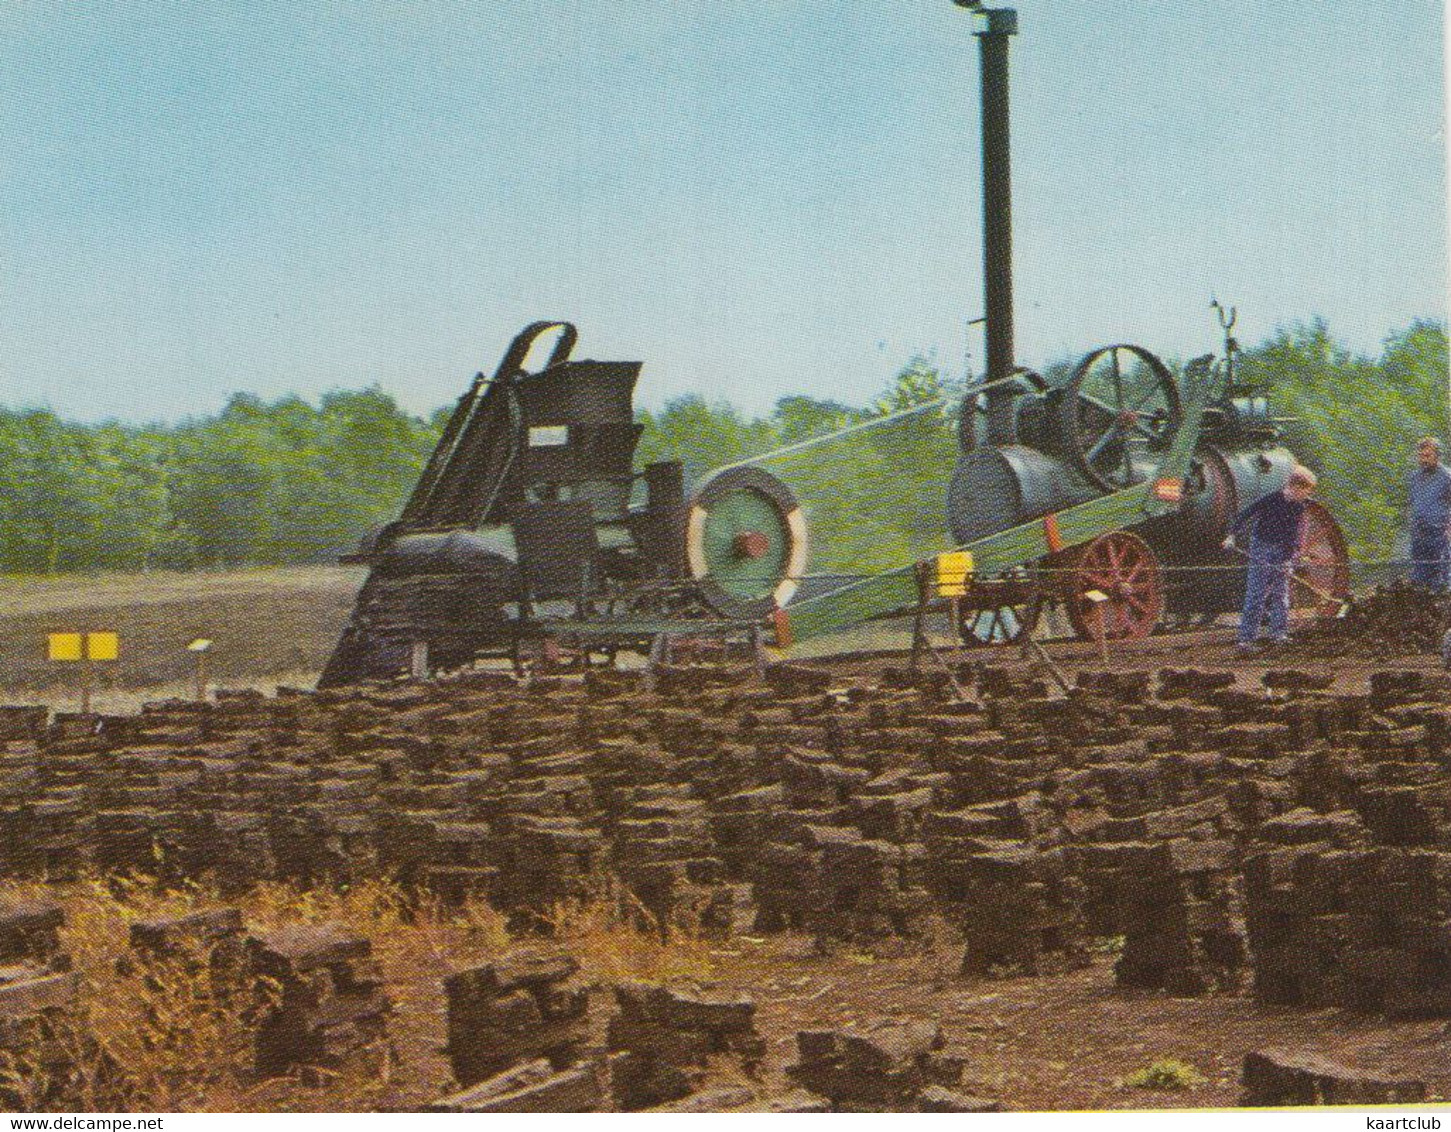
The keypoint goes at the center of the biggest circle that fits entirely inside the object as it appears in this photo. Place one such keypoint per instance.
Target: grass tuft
(1168, 1075)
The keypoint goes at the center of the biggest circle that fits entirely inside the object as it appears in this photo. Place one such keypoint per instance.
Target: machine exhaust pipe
(995, 29)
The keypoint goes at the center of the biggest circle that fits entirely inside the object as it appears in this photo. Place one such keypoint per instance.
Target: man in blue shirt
(1278, 530)
(1430, 496)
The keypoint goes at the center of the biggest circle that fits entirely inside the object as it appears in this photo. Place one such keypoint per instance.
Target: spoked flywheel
(1116, 578)
(1121, 401)
(1326, 569)
(745, 542)
(1000, 625)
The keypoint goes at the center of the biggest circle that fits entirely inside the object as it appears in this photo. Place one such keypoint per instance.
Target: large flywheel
(1113, 585)
(1121, 402)
(745, 542)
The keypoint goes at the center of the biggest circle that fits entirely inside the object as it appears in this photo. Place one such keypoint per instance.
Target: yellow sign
(64, 646)
(954, 570)
(83, 646)
(103, 646)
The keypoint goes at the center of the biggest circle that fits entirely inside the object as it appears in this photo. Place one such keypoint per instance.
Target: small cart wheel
(1124, 569)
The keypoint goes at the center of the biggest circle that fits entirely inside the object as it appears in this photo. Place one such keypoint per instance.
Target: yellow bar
(63, 646)
(103, 646)
(954, 569)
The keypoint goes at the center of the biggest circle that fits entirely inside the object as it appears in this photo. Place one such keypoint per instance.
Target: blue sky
(752, 197)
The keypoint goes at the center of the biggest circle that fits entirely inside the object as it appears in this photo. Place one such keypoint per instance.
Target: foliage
(1168, 1074)
(271, 483)
(257, 484)
(1356, 419)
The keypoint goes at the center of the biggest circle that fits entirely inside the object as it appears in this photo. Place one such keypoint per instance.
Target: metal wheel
(745, 542)
(1125, 569)
(1000, 625)
(972, 418)
(1120, 401)
(1327, 565)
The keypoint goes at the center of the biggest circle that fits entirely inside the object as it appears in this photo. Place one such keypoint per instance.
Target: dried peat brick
(526, 1005)
(1279, 1078)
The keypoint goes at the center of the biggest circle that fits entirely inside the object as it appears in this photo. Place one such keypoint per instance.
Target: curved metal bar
(513, 360)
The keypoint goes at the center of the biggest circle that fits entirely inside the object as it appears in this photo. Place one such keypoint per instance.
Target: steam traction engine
(1104, 431)
(1109, 493)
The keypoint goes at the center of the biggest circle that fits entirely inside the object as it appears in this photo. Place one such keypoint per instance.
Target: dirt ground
(1066, 1042)
(1049, 1043)
(274, 626)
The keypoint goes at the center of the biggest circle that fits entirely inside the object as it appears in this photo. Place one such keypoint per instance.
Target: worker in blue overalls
(1430, 496)
(1277, 523)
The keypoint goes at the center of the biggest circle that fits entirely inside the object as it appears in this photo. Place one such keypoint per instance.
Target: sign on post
(66, 646)
(103, 646)
(199, 648)
(84, 649)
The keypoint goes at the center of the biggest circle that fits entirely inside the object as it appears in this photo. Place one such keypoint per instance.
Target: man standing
(1278, 530)
(1430, 517)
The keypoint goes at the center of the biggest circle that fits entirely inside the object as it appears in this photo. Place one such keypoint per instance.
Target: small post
(200, 648)
(758, 652)
(919, 617)
(86, 686)
(1099, 600)
(418, 663)
(659, 657)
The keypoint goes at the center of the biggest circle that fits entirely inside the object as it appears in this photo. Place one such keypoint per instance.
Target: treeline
(257, 484)
(272, 483)
(1355, 419)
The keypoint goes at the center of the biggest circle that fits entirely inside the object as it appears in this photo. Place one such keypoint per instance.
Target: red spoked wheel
(1326, 571)
(1125, 570)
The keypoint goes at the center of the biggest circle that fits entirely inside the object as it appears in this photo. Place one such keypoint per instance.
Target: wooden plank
(995, 554)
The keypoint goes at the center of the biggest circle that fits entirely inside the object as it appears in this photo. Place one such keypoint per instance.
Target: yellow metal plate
(103, 646)
(63, 646)
(954, 569)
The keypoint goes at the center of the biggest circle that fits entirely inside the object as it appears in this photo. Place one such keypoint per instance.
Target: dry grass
(170, 1035)
(615, 939)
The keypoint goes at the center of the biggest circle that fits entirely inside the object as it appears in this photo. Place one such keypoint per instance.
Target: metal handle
(513, 361)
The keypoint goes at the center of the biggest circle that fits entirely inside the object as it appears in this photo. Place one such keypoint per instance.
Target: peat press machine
(530, 524)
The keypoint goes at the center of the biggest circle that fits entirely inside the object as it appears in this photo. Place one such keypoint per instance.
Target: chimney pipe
(996, 27)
